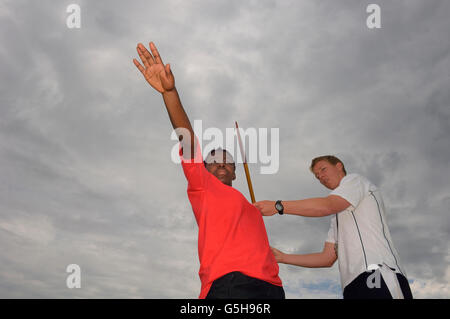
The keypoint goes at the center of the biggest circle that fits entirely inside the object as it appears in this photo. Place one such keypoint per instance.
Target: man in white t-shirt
(359, 237)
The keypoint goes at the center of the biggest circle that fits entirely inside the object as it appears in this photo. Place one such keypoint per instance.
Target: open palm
(158, 75)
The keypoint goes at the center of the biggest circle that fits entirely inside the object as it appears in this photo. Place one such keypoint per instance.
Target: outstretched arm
(161, 78)
(326, 258)
(311, 207)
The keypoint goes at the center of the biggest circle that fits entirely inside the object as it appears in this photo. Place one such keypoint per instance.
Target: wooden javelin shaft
(244, 159)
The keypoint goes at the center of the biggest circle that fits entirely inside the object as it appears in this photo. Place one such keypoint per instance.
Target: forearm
(312, 207)
(177, 114)
(316, 260)
(178, 118)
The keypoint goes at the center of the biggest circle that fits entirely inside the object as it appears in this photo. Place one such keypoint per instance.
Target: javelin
(244, 159)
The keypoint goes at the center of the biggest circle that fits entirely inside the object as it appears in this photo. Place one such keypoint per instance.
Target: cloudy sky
(85, 147)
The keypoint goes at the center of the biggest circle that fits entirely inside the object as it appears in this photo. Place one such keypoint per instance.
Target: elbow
(330, 262)
(327, 208)
(328, 259)
(325, 211)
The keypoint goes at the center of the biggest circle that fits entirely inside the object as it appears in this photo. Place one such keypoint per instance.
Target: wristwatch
(279, 207)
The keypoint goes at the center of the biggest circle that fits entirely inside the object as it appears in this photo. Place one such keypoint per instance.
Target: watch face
(278, 206)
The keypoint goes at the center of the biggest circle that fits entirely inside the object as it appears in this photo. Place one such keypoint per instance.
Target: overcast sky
(85, 149)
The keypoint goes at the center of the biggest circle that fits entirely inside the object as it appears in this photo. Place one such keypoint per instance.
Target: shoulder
(353, 188)
(350, 180)
(357, 180)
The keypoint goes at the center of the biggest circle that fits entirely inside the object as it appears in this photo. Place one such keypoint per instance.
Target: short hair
(212, 155)
(330, 159)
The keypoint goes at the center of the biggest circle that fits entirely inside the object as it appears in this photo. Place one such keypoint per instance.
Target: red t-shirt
(232, 235)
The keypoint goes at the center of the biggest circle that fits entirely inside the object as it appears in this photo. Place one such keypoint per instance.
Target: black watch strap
(279, 207)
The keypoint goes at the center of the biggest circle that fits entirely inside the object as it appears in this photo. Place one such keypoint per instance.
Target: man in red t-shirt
(234, 252)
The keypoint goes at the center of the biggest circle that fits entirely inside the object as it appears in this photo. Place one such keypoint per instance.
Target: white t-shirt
(361, 231)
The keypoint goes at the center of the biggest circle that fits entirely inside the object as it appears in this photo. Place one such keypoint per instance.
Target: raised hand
(158, 75)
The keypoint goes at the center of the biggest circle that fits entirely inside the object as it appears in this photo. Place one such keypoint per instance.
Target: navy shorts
(236, 285)
(358, 288)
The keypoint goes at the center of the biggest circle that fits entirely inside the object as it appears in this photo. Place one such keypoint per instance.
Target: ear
(340, 166)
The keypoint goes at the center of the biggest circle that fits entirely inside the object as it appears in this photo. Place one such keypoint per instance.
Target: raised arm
(161, 78)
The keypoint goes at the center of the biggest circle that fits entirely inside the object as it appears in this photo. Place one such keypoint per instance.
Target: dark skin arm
(161, 78)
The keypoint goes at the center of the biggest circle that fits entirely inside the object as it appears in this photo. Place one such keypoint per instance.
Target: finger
(139, 66)
(275, 251)
(168, 70)
(143, 58)
(146, 54)
(155, 53)
(167, 77)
